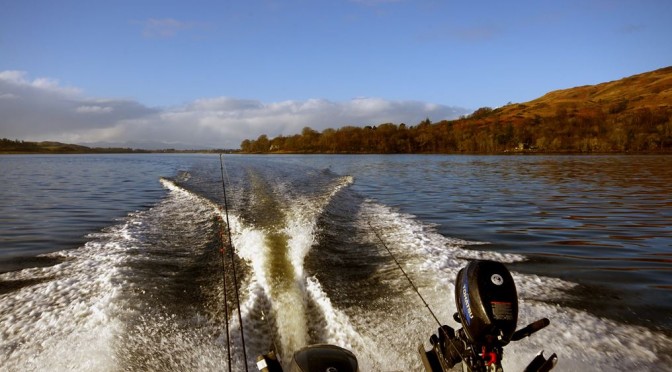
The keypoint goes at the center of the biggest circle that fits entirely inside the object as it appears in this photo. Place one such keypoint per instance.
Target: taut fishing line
(403, 272)
(380, 238)
(233, 265)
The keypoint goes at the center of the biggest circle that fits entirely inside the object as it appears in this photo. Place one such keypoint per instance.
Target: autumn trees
(570, 129)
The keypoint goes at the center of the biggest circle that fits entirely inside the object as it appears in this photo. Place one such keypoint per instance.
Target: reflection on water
(602, 221)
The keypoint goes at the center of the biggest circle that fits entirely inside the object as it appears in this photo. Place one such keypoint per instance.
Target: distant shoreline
(238, 152)
(119, 152)
(18, 147)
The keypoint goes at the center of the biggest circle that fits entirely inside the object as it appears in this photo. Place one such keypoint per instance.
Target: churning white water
(146, 292)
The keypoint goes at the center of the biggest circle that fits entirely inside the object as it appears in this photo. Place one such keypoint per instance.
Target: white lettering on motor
(465, 298)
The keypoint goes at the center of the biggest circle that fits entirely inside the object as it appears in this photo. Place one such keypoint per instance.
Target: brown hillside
(648, 90)
(633, 114)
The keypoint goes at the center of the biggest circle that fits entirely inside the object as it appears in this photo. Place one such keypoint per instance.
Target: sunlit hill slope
(633, 114)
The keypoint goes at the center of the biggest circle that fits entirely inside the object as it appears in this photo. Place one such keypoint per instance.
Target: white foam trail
(302, 223)
(339, 330)
(251, 245)
(581, 340)
(386, 339)
(289, 306)
(66, 323)
(247, 243)
(74, 317)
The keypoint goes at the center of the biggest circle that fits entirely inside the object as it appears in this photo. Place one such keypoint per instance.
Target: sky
(208, 74)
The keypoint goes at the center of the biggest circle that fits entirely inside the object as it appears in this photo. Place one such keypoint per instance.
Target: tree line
(569, 129)
(27, 147)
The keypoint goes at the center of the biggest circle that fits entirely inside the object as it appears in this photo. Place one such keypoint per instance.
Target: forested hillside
(8, 146)
(633, 114)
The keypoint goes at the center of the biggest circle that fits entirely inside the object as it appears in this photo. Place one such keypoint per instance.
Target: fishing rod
(233, 265)
(271, 361)
(226, 303)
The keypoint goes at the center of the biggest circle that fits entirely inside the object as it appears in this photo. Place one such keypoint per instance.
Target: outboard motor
(328, 358)
(313, 358)
(487, 304)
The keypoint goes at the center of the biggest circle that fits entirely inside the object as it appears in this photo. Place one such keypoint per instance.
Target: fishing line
(233, 264)
(414, 288)
(404, 272)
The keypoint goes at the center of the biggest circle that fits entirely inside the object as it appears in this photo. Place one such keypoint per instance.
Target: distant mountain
(633, 114)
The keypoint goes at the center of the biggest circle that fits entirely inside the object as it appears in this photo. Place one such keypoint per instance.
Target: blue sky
(211, 73)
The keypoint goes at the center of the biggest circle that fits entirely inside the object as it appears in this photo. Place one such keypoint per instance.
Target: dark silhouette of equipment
(314, 358)
(487, 308)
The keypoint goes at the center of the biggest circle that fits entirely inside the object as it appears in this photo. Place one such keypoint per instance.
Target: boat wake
(286, 308)
(147, 293)
(581, 340)
(118, 302)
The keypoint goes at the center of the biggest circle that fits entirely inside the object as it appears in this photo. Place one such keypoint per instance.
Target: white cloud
(13, 76)
(47, 111)
(93, 109)
(42, 109)
(45, 83)
(223, 104)
(19, 78)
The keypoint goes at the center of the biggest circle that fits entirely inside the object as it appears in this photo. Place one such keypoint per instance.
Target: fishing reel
(487, 308)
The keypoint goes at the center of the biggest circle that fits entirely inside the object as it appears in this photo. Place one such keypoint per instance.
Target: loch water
(112, 262)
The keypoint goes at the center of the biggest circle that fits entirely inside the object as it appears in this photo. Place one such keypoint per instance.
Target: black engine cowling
(487, 302)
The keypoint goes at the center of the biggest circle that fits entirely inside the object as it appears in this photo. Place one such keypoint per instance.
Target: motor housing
(324, 357)
(487, 302)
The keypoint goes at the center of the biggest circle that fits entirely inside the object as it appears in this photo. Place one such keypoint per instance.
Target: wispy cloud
(466, 34)
(375, 2)
(632, 28)
(476, 33)
(8, 96)
(39, 111)
(94, 109)
(165, 27)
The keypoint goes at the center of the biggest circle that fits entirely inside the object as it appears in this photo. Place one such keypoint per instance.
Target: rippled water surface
(115, 259)
(50, 203)
(602, 221)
